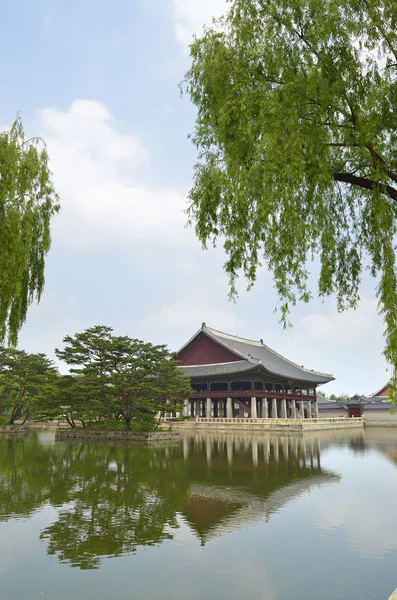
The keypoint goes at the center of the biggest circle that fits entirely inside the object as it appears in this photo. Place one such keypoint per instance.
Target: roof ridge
(234, 337)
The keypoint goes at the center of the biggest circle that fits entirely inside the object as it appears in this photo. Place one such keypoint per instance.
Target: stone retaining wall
(270, 424)
(129, 436)
(384, 423)
(14, 429)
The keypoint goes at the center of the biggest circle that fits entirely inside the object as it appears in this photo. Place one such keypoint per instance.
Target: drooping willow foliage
(28, 201)
(297, 137)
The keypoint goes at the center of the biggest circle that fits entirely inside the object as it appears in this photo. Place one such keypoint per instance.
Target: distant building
(330, 408)
(377, 407)
(233, 377)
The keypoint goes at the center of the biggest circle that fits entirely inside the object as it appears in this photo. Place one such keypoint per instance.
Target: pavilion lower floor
(254, 408)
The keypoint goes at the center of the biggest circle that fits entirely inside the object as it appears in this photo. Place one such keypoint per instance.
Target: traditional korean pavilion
(233, 377)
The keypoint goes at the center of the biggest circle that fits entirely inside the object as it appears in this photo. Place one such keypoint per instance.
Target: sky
(98, 81)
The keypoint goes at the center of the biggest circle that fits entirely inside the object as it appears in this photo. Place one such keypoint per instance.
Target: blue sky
(99, 82)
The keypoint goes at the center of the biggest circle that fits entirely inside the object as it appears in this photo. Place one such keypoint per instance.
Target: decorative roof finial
(203, 325)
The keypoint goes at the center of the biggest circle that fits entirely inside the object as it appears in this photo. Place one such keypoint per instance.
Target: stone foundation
(147, 438)
(270, 424)
(14, 429)
(385, 423)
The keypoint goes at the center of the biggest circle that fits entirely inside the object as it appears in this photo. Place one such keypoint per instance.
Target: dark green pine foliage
(297, 137)
(123, 379)
(28, 202)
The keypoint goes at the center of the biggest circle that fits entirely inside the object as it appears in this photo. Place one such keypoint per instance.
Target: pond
(259, 517)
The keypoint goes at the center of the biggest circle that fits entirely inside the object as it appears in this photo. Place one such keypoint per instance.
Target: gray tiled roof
(229, 368)
(256, 353)
(356, 400)
(382, 406)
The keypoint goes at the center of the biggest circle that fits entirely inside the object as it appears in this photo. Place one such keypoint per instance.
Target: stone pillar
(283, 408)
(309, 409)
(208, 411)
(293, 409)
(254, 412)
(265, 412)
(302, 409)
(198, 407)
(229, 408)
(274, 409)
(185, 411)
(316, 409)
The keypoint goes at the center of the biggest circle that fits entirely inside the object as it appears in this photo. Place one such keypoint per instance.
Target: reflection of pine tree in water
(123, 499)
(113, 498)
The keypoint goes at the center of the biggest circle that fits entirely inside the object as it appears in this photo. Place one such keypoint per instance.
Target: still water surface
(217, 516)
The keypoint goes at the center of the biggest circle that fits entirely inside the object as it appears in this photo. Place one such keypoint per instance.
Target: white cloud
(191, 15)
(342, 327)
(186, 315)
(97, 172)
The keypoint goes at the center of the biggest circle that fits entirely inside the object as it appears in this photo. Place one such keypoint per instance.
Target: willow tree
(27, 202)
(297, 138)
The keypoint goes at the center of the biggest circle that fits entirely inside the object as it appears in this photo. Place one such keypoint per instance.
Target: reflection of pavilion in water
(238, 481)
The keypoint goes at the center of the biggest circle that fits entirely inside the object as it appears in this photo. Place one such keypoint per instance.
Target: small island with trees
(115, 383)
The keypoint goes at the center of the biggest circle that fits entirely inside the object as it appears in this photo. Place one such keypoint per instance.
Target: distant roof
(256, 353)
(327, 404)
(356, 400)
(382, 389)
